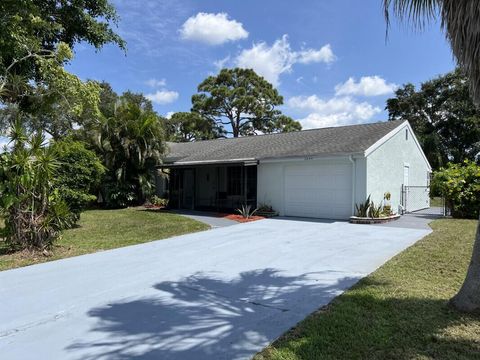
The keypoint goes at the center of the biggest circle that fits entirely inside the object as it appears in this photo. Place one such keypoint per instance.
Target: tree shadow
(206, 317)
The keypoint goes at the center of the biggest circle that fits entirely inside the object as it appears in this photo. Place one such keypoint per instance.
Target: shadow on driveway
(203, 317)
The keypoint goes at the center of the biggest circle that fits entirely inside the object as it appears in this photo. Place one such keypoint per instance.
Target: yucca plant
(361, 210)
(33, 210)
(375, 211)
(246, 211)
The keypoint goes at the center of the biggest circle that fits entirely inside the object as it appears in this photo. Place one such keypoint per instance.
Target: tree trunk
(468, 298)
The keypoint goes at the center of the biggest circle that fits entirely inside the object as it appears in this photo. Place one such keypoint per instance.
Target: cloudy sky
(329, 59)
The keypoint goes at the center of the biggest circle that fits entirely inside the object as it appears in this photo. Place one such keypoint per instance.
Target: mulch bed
(154, 207)
(240, 218)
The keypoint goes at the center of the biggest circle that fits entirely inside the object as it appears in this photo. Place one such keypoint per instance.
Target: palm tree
(460, 19)
(130, 143)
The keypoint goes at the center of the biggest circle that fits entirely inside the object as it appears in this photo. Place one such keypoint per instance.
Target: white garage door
(320, 191)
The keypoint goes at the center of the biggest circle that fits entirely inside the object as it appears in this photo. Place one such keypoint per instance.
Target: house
(320, 173)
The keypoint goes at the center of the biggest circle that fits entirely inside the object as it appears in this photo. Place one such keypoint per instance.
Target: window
(406, 134)
(234, 180)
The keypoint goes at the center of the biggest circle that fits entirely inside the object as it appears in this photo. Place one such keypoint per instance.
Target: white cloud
(367, 86)
(156, 83)
(212, 29)
(324, 54)
(162, 97)
(332, 112)
(272, 61)
(169, 114)
(220, 64)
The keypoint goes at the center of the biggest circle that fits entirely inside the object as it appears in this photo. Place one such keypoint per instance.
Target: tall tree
(30, 28)
(36, 38)
(282, 124)
(443, 116)
(130, 143)
(191, 126)
(239, 98)
(461, 22)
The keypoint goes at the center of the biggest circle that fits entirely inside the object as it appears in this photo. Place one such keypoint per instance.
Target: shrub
(265, 208)
(119, 194)
(460, 185)
(78, 175)
(158, 201)
(33, 210)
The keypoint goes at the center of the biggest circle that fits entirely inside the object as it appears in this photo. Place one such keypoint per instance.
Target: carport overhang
(183, 164)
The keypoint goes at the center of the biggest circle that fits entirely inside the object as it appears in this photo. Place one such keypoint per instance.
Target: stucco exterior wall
(385, 170)
(360, 180)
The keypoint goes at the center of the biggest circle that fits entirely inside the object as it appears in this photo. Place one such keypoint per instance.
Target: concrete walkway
(218, 294)
(416, 220)
(208, 218)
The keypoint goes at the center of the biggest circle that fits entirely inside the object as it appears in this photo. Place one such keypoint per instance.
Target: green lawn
(106, 229)
(398, 312)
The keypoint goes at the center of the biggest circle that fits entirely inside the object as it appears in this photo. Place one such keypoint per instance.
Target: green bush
(33, 209)
(460, 185)
(78, 175)
(158, 201)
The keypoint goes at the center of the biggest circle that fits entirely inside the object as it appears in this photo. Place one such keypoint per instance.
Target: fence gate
(417, 199)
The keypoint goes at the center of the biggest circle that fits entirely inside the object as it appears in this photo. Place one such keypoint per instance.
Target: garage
(318, 191)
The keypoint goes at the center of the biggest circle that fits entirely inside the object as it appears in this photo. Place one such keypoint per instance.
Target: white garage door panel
(315, 190)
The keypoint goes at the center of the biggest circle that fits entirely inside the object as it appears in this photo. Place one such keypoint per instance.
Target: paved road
(219, 294)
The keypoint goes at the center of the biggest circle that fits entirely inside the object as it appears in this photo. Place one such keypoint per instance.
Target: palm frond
(418, 12)
(461, 22)
(460, 19)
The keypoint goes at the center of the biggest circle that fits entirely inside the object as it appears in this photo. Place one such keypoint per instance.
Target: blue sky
(329, 59)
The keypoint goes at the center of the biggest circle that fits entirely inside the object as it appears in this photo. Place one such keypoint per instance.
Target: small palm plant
(246, 211)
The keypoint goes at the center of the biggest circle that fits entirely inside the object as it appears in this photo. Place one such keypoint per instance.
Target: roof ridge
(288, 133)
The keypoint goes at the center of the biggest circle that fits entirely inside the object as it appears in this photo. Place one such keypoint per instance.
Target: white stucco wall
(385, 170)
(360, 179)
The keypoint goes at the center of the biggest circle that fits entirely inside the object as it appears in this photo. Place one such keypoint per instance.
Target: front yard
(106, 229)
(398, 312)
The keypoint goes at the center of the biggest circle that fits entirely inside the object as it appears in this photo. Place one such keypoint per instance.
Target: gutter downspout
(352, 160)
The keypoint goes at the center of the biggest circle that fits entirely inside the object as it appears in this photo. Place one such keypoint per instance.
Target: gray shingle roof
(342, 140)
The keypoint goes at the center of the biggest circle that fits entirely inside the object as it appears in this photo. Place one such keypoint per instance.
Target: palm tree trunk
(468, 298)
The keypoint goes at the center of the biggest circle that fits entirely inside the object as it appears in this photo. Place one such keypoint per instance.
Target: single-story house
(320, 173)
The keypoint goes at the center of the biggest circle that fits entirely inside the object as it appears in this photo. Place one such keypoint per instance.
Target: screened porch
(222, 188)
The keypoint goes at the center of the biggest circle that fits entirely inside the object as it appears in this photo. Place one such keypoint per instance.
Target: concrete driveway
(219, 294)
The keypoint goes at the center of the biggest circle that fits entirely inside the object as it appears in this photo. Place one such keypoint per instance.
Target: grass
(106, 229)
(398, 312)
